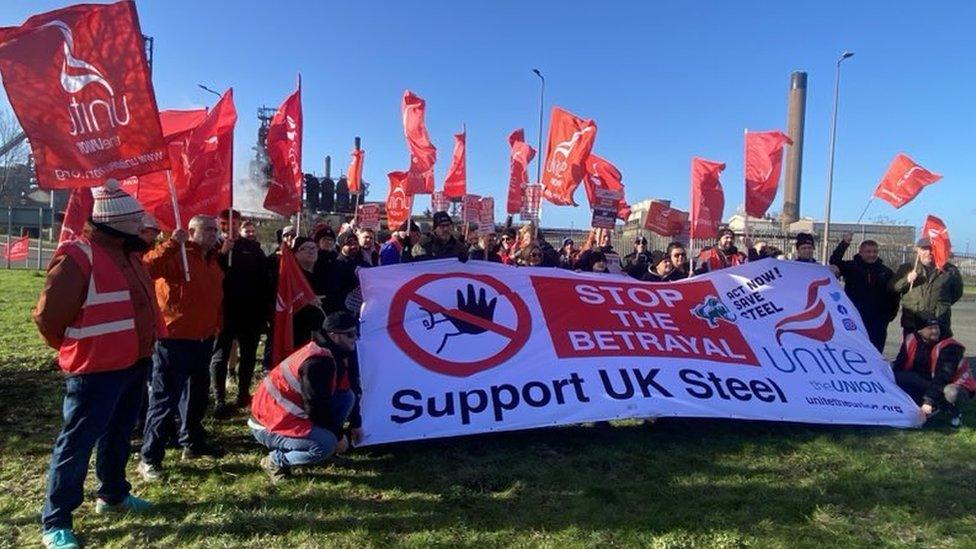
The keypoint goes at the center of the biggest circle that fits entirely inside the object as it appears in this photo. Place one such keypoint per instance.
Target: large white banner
(450, 349)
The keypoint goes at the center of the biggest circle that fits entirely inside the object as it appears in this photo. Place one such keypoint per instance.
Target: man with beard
(300, 409)
(340, 276)
(927, 290)
(440, 243)
(398, 248)
(722, 255)
(98, 309)
(181, 362)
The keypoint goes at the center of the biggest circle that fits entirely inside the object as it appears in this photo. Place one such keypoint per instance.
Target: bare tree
(9, 130)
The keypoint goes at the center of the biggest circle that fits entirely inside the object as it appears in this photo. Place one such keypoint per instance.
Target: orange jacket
(192, 310)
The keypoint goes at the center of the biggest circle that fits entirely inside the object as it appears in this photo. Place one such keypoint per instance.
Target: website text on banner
(449, 351)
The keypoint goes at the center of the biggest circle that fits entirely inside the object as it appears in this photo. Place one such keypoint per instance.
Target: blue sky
(664, 81)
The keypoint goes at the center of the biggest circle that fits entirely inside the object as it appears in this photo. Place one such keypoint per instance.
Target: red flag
(354, 179)
(294, 292)
(601, 174)
(707, 198)
(938, 235)
(285, 151)
(570, 141)
(399, 204)
(423, 153)
(78, 81)
(201, 155)
(16, 250)
(903, 181)
(78, 211)
(764, 164)
(665, 220)
(455, 185)
(518, 178)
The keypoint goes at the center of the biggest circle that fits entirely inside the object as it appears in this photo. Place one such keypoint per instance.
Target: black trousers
(247, 342)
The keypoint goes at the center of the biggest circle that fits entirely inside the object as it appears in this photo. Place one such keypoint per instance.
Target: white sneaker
(149, 472)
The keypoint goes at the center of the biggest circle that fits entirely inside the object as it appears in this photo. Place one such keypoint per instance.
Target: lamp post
(542, 103)
(830, 161)
(206, 89)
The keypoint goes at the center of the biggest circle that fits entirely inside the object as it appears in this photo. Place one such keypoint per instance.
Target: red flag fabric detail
(937, 233)
(764, 165)
(521, 155)
(78, 81)
(601, 174)
(455, 185)
(17, 250)
(707, 198)
(354, 179)
(399, 204)
(294, 292)
(284, 144)
(570, 141)
(78, 211)
(201, 156)
(903, 181)
(423, 153)
(664, 220)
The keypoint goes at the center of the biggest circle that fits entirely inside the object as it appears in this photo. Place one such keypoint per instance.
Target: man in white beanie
(98, 309)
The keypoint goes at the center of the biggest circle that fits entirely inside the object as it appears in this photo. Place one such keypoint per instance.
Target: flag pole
(359, 184)
(745, 166)
(864, 211)
(179, 222)
(914, 268)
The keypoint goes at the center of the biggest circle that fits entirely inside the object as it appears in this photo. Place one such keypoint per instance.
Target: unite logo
(558, 165)
(814, 322)
(87, 117)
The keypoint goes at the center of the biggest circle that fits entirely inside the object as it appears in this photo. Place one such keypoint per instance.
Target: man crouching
(933, 370)
(300, 408)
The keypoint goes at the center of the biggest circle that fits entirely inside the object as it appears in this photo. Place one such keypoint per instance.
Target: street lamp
(542, 103)
(830, 161)
(204, 88)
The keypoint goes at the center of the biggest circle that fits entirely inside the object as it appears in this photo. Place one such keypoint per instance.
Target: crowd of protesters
(138, 317)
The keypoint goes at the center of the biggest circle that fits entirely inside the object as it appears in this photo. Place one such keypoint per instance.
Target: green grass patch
(674, 483)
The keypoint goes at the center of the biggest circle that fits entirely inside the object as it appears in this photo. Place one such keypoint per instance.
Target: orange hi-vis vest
(278, 405)
(714, 258)
(963, 375)
(103, 336)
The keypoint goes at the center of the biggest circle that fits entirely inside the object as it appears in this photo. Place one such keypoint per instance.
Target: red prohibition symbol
(517, 336)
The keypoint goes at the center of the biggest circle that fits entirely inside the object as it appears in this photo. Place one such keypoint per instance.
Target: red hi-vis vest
(278, 405)
(963, 375)
(102, 337)
(714, 259)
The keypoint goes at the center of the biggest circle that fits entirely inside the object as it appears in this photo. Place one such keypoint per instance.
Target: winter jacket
(867, 285)
(192, 310)
(340, 279)
(395, 251)
(635, 264)
(933, 293)
(321, 377)
(431, 247)
(714, 259)
(245, 277)
(945, 370)
(480, 254)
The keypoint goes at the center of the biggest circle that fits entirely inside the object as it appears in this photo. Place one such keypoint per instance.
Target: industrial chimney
(794, 155)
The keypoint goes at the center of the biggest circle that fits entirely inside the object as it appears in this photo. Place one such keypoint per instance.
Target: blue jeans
(180, 380)
(316, 448)
(99, 409)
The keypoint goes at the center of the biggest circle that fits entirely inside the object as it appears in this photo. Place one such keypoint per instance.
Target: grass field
(674, 483)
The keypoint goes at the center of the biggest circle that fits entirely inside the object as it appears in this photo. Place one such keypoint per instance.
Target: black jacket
(319, 377)
(339, 280)
(945, 369)
(867, 285)
(307, 321)
(431, 247)
(246, 281)
(479, 254)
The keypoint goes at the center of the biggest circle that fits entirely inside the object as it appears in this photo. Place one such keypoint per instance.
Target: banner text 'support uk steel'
(450, 349)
